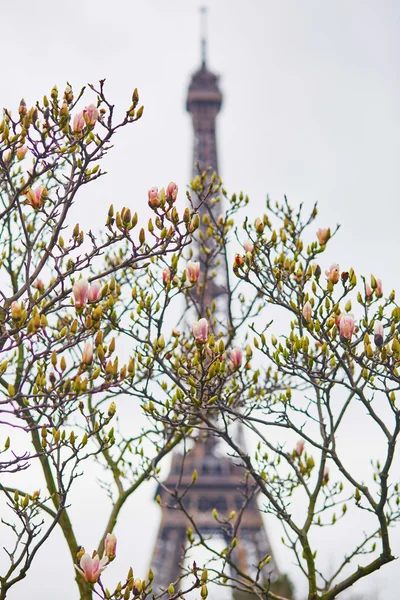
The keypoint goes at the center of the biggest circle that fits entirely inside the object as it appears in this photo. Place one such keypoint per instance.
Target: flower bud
(166, 275)
(378, 333)
(236, 356)
(307, 312)
(193, 271)
(78, 123)
(248, 246)
(368, 291)
(346, 327)
(36, 197)
(94, 292)
(80, 291)
(110, 546)
(90, 114)
(154, 199)
(172, 191)
(87, 354)
(379, 288)
(259, 226)
(238, 262)
(16, 311)
(325, 476)
(21, 151)
(200, 331)
(323, 236)
(333, 274)
(300, 447)
(22, 110)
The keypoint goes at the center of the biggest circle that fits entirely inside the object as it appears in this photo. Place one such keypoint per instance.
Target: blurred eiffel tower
(221, 483)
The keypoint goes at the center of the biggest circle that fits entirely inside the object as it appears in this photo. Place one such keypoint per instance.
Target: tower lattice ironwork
(221, 481)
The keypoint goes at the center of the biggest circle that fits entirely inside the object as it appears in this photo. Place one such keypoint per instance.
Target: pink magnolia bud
(379, 288)
(239, 261)
(325, 476)
(16, 310)
(368, 291)
(323, 236)
(171, 191)
(87, 354)
(39, 285)
(236, 356)
(333, 274)
(248, 246)
(94, 292)
(300, 447)
(346, 327)
(166, 275)
(90, 114)
(110, 546)
(200, 331)
(154, 199)
(378, 333)
(80, 290)
(307, 312)
(79, 123)
(21, 151)
(193, 271)
(91, 568)
(35, 197)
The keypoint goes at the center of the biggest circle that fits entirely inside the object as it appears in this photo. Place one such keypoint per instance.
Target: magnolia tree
(72, 303)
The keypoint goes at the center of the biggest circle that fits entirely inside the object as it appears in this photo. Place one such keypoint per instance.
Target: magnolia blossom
(78, 123)
(87, 354)
(379, 288)
(21, 151)
(239, 260)
(325, 476)
(332, 273)
(110, 546)
(90, 114)
(193, 271)
(16, 310)
(307, 312)
(94, 292)
(200, 331)
(346, 327)
(80, 290)
(248, 246)
(171, 191)
(91, 568)
(35, 197)
(236, 356)
(166, 275)
(378, 333)
(323, 236)
(154, 199)
(368, 291)
(39, 285)
(300, 447)
(137, 586)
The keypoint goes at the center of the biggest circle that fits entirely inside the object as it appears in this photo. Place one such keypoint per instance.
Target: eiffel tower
(220, 483)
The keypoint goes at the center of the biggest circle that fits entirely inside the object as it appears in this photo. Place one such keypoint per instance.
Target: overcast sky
(311, 97)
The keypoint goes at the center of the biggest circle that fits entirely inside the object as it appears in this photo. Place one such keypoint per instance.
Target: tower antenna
(203, 34)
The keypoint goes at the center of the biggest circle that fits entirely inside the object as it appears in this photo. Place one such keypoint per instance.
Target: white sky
(311, 97)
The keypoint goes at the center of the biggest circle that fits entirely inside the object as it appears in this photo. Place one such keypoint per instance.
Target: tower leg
(167, 558)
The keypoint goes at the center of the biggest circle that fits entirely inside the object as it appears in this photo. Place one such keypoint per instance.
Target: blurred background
(311, 96)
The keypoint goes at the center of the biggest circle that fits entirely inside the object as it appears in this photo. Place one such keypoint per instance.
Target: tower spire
(203, 33)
